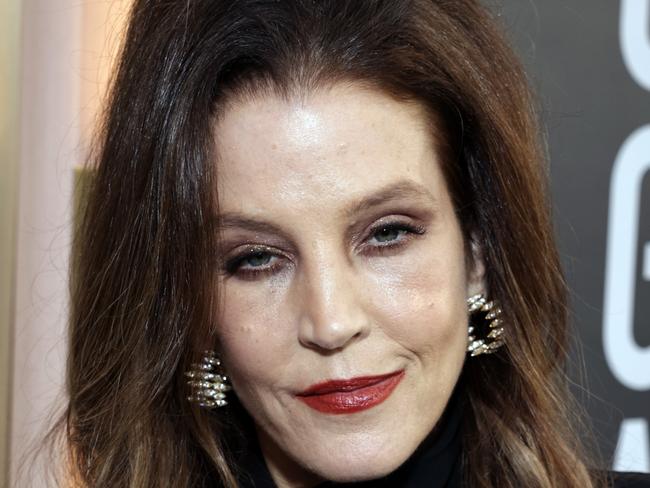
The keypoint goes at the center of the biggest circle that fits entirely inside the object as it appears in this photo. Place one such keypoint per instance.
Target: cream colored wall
(10, 11)
(50, 143)
(66, 52)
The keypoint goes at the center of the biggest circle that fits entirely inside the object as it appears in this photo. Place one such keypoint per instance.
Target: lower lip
(340, 402)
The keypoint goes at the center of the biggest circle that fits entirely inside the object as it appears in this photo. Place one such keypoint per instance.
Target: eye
(388, 233)
(252, 262)
(393, 234)
(255, 262)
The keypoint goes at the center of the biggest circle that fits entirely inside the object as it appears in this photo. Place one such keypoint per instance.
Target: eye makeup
(257, 261)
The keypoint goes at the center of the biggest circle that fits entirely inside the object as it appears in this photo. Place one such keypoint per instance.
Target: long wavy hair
(142, 283)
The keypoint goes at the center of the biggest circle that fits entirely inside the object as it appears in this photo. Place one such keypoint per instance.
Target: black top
(434, 464)
(629, 480)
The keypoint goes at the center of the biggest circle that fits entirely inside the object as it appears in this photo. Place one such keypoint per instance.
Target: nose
(332, 312)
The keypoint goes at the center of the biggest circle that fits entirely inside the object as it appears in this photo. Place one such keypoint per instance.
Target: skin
(343, 297)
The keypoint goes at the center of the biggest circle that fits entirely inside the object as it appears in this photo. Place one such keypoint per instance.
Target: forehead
(324, 149)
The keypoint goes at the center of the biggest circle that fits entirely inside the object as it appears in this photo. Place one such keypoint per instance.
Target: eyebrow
(399, 190)
(394, 191)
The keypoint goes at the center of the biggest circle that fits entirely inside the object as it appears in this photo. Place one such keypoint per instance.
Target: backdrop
(589, 61)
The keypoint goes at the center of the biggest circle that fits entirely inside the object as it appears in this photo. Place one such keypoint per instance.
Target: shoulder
(619, 479)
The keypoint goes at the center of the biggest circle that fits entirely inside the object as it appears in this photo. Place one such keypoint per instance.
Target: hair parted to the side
(142, 289)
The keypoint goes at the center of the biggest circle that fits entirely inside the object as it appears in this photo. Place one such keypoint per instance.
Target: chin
(363, 473)
(359, 464)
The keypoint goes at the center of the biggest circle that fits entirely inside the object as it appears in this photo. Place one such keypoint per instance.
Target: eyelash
(233, 266)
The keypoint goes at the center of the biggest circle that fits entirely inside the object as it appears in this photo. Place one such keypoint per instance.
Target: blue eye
(389, 233)
(256, 262)
(255, 258)
(258, 259)
(393, 235)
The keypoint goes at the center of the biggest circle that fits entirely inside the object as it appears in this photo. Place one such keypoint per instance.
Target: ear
(476, 269)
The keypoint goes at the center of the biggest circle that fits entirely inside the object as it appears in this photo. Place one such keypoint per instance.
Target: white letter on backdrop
(635, 39)
(632, 451)
(629, 362)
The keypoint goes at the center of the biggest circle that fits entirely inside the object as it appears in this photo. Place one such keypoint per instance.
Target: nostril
(330, 336)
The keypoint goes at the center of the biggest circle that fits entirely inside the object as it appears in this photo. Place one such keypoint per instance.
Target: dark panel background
(591, 104)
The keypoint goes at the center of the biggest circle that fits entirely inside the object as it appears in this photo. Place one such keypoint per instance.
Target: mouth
(351, 395)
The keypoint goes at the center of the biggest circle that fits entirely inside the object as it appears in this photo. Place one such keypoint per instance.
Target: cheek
(422, 303)
(249, 330)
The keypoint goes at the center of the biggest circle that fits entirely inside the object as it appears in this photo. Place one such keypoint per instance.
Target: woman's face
(343, 260)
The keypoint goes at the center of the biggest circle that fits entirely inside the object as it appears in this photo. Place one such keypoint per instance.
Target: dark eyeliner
(232, 266)
(412, 231)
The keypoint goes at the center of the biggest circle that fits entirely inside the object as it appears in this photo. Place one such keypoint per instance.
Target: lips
(352, 395)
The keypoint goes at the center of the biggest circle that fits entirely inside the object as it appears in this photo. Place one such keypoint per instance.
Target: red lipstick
(349, 396)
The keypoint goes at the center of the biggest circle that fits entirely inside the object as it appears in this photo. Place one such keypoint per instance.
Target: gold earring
(208, 387)
(490, 326)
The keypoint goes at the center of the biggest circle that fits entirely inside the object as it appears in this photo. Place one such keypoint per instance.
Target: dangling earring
(489, 326)
(208, 386)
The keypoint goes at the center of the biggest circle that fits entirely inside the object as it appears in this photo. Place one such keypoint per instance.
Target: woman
(344, 203)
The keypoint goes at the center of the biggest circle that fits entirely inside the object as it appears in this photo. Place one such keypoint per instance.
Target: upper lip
(331, 386)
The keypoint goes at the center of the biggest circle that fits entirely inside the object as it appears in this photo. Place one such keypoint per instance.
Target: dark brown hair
(142, 293)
